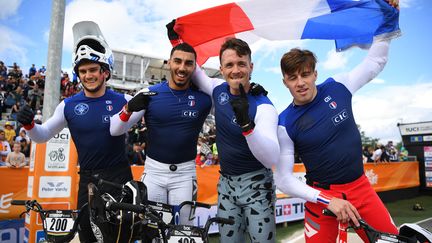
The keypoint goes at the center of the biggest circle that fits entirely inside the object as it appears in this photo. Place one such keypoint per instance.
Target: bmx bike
(58, 225)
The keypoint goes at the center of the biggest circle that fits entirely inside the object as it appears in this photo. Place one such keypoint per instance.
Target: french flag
(348, 22)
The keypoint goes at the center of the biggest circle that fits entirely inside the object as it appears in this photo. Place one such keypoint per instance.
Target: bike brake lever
(354, 226)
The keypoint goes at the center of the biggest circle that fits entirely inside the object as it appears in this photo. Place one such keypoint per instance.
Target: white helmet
(89, 44)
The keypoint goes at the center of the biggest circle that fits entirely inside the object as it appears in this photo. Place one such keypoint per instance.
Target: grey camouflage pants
(249, 199)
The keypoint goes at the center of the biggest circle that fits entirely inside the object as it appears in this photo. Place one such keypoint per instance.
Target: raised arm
(44, 132)
(204, 82)
(368, 69)
(122, 121)
(263, 141)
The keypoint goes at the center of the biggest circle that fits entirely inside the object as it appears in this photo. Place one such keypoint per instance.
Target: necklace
(179, 97)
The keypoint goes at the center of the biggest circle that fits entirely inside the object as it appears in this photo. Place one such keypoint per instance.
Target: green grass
(284, 231)
(400, 210)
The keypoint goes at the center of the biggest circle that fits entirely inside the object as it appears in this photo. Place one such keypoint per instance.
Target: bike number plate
(184, 234)
(164, 210)
(184, 239)
(59, 221)
(385, 238)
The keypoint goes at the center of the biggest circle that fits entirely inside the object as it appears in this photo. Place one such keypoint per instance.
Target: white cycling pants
(171, 184)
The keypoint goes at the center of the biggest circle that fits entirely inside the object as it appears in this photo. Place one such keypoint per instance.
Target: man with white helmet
(87, 114)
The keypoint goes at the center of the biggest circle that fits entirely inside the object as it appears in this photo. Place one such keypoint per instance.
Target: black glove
(241, 110)
(257, 89)
(25, 116)
(140, 101)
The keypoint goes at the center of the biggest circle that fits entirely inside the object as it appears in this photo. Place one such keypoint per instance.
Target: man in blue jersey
(174, 118)
(320, 125)
(246, 137)
(87, 115)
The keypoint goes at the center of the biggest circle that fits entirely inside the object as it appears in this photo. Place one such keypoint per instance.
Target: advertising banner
(428, 165)
(12, 231)
(52, 179)
(58, 190)
(383, 177)
(415, 128)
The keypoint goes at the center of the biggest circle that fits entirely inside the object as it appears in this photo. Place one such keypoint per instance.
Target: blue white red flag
(348, 22)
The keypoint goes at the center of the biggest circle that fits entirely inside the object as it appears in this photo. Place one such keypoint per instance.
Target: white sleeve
(284, 178)
(204, 82)
(376, 154)
(119, 127)
(43, 133)
(263, 141)
(368, 69)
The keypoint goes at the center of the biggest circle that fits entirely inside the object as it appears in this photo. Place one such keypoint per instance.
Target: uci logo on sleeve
(340, 117)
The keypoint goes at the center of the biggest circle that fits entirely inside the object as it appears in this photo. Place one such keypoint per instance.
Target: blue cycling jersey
(235, 155)
(174, 119)
(319, 132)
(89, 121)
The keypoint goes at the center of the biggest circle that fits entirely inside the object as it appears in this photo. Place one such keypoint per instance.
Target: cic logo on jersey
(340, 117)
(189, 113)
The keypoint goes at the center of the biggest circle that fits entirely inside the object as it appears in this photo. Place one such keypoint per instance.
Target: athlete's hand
(240, 107)
(344, 211)
(394, 3)
(140, 101)
(25, 115)
(257, 89)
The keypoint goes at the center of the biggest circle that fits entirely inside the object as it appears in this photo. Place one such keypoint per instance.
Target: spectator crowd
(16, 90)
(384, 153)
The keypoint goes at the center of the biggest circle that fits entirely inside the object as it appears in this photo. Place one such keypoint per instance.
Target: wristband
(124, 114)
(248, 127)
(247, 133)
(324, 198)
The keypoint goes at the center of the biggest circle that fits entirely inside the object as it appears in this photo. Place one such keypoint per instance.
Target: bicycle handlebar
(220, 220)
(29, 204)
(195, 204)
(19, 202)
(362, 223)
(126, 206)
(147, 211)
(217, 220)
(115, 185)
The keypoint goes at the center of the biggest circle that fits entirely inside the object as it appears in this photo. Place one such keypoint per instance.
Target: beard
(95, 89)
(181, 84)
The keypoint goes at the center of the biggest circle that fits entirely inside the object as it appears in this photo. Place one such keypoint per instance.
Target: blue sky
(401, 93)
